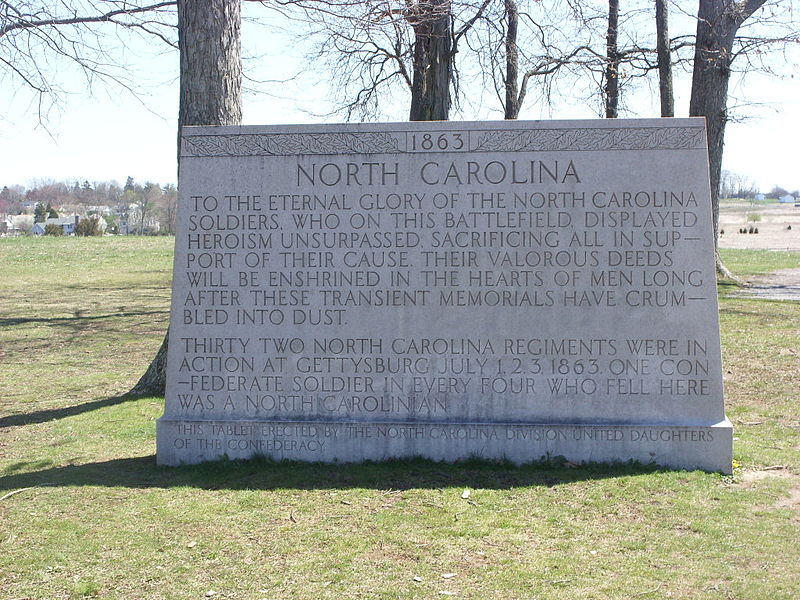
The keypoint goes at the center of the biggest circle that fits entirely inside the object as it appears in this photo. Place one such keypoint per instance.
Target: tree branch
(78, 20)
(748, 7)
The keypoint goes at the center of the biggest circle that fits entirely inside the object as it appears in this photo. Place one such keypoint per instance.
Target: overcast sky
(107, 134)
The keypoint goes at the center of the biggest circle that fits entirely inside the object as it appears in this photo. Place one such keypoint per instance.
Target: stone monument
(503, 289)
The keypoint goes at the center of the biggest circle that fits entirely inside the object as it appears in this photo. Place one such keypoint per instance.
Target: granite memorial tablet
(496, 289)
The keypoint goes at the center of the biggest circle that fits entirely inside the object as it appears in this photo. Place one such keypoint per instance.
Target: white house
(18, 224)
(100, 209)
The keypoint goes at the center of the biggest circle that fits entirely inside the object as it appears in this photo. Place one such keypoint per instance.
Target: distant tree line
(736, 185)
(133, 208)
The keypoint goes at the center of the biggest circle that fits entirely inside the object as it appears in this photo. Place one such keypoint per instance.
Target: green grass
(747, 263)
(81, 318)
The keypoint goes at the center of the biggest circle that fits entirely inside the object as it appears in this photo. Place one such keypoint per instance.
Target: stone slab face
(495, 289)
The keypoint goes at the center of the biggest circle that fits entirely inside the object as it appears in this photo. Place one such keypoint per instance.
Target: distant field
(778, 225)
(85, 513)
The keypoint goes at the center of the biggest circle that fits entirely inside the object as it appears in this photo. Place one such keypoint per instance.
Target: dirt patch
(778, 226)
(750, 478)
(780, 285)
(778, 229)
(793, 501)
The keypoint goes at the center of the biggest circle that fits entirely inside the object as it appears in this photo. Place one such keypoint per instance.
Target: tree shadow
(78, 317)
(67, 330)
(264, 474)
(52, 414)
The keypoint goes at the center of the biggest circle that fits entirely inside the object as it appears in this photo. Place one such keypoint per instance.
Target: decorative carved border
(283, 144)
(514, 140)
(588, 138)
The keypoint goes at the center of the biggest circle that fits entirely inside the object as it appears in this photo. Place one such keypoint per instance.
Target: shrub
(53, 229)
(111, 224)
(88, 226)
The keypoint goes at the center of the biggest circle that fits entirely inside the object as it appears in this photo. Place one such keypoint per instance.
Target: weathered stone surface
(510, 289)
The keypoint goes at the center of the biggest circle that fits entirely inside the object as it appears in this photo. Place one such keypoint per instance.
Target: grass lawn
(85, 512)
(746, 263)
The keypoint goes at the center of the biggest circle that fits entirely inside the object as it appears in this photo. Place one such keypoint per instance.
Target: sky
(104, 133)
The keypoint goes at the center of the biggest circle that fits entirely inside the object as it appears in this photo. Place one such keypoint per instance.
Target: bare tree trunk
(512, 61)
(664, 60)
(717, 24)
(612, 61)
(209, 35)
(433, 67)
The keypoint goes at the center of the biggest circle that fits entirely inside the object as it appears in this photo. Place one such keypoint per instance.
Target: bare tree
(38, 38)
(209, 34)
(717, 24)
(210, 94)
(612, 61)
(736, 185)
(377, 47)
(433, 60)
(564, 42)
(665, 88)
(513, 101)
(150, 196)
(170, 198)
(515, 43)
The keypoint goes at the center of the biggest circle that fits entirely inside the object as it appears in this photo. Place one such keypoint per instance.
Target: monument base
(706, 447)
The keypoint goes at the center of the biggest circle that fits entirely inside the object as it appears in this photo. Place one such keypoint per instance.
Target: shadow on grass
(78, 317)
(52, 414)
(264, 474)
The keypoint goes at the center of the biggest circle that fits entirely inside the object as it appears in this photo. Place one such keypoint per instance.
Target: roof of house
(60, 221)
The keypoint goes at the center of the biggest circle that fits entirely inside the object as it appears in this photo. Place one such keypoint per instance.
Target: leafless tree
(432, 64)
(547, 63)
(211, 86)
(149, 197)
(170, 206)
(375, 48)
(514, 43)
(665, 87)
(209, 33)
(511, 81)
(562, 48)
(40, 37)
(736, 185)
(612, 61)
(716, 48)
